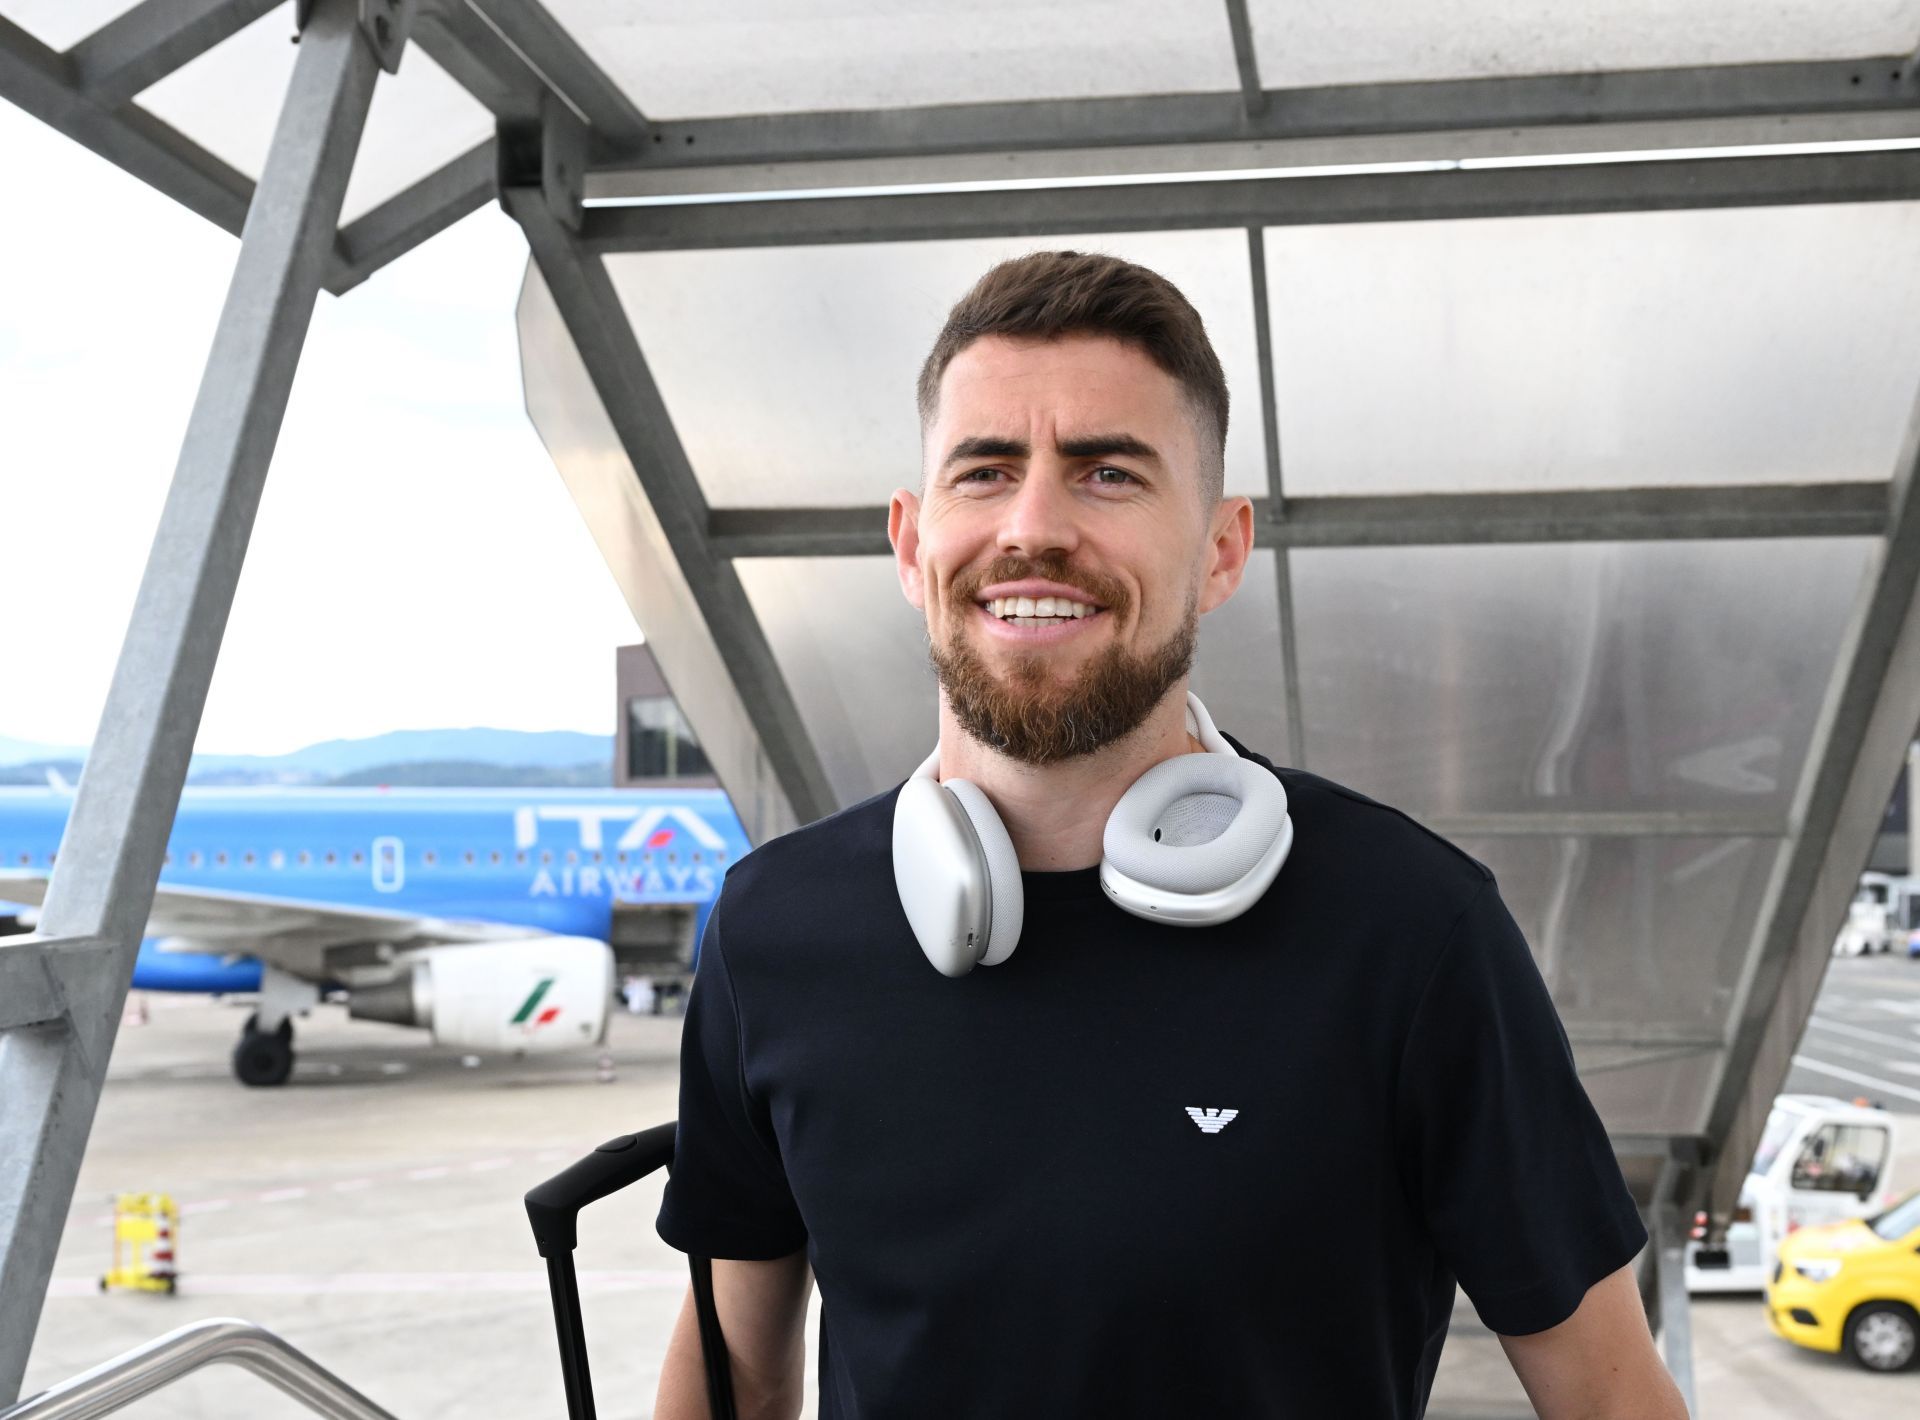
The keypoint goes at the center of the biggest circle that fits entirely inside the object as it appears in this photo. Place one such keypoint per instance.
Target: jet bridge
(1575, 389)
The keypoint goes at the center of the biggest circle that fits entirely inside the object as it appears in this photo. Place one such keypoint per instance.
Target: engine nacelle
(538, 994)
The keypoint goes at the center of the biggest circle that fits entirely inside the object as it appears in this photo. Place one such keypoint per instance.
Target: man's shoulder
(1340, 829)
(833, 860)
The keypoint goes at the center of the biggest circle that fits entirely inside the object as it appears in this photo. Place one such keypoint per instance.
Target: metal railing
(137, 1373)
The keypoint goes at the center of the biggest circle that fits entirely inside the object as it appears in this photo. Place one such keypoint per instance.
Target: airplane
(489, 917)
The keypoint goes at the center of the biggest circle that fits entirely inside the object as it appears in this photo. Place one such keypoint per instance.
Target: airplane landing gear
(264, 1057)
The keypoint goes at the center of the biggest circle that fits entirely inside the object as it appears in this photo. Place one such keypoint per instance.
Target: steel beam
(1253, 98)
(1415, 519)
(547, 48)
(1442, 194)
(1537, 102)
(51, 1072)
(411, 217)
(1859, 743)
(1276, 507)
(45, 85)
(584, 296)
(1607, 823)
(480, 60)
(134, 51)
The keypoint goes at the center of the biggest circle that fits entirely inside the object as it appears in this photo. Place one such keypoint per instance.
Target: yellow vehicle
(1853, 1287)
(144, 1228)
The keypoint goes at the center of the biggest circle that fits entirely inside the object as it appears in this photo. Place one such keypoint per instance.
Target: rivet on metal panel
(387, 24)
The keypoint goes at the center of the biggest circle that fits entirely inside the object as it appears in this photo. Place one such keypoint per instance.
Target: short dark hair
(1048, 294)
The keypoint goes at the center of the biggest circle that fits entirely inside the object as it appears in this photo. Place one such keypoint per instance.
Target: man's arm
(763, 1314)
(1598, 1364)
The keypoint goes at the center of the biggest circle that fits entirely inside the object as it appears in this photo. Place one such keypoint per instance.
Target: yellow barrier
(145, 1227)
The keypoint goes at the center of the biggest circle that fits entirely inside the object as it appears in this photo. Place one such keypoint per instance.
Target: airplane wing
(309, 939)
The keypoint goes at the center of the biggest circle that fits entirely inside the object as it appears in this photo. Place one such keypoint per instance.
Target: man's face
(1059, 547)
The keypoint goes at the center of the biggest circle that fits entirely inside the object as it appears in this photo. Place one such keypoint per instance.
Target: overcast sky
(416, 562)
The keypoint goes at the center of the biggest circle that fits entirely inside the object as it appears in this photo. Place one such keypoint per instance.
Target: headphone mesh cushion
(1197, 852)
(1196, 819)
(1003, 870)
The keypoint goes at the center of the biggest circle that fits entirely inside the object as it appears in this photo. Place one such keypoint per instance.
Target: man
(997, 1179)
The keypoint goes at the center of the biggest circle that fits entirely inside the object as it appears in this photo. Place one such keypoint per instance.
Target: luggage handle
(553, 1208)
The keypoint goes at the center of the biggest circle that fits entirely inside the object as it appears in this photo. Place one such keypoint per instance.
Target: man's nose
(1040, 517)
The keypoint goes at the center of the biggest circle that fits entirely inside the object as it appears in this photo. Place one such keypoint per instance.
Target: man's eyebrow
(1094, 446)
(1086, 446)
(986, 446)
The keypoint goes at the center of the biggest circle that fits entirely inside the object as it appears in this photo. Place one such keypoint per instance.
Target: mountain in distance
(14, 752)
(472, 758)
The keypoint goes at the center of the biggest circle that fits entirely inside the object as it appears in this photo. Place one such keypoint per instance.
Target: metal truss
(62, 989)
(1413, 519)
(1860, 742)
(700, 623)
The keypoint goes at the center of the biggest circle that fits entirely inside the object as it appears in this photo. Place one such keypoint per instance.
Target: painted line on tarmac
(425, 1174)
(1878, 1037)
(388, 1284)
(1821, 1068)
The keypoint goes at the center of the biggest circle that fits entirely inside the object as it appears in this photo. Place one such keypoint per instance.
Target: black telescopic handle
(554, 1207)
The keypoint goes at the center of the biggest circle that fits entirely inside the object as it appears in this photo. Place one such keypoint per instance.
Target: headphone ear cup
(1200, 826)
(1003, 871)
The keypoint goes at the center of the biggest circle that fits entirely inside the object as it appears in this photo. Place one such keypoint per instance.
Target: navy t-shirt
(1143, 1170)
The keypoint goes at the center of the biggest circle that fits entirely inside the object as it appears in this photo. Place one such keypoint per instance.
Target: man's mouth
(1039, 611)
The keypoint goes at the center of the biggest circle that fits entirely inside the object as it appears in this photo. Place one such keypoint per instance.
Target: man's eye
(978, 475)
(1112, 477)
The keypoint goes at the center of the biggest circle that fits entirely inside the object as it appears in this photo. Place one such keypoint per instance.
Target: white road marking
(280, 1195)
(352, 1185)
(1878, 1037)
(421, 1175)
(488, 1165)
(1874, 1082)
(205, 1205)
(295, 1284)
(1900, 1008)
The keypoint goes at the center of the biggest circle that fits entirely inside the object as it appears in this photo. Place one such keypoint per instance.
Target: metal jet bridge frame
(1575, 374)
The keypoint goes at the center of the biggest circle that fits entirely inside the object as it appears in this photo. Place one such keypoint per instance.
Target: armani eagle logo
(1212, 1121)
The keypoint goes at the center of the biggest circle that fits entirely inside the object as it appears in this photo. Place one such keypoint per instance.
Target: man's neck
(1056, 814)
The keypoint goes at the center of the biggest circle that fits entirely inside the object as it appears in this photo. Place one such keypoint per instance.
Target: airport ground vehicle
(1821, 1160)
(1884, 914)
(1853, 1287)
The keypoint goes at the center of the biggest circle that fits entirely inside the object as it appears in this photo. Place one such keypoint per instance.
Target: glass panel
(1635, 936)
(228, 100)
(61, 24)
(790, 372)
(1595, 676)
(1761, 345)
(783, 56)
(1301, 43)
(867, 696)
(660, 742)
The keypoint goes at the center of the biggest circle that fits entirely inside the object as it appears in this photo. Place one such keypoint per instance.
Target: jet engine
(537, 994)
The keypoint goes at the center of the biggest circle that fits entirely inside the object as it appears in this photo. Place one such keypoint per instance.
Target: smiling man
(1133, 1168)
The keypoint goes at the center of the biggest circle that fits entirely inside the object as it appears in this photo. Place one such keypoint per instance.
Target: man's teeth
(1056, 607)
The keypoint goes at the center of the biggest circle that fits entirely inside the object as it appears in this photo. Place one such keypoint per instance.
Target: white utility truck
(1820, 1160)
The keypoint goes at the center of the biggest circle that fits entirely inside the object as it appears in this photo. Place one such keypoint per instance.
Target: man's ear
(1230, 543)
(903, 531)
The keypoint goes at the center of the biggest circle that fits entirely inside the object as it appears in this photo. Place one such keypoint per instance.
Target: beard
(1027, 714)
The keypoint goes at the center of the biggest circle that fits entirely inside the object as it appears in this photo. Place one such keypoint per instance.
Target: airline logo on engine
(530, 1017)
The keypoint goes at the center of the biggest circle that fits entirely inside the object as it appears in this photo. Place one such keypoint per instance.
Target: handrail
(137, 1373)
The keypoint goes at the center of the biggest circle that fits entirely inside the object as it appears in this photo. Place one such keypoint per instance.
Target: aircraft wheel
(264, 1057)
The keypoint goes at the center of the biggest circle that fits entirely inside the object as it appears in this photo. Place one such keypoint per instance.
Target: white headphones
(1196, 840)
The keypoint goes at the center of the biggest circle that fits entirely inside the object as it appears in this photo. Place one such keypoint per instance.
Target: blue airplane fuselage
(552, 860)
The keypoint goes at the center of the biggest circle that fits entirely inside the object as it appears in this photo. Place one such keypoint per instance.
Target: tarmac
(370, 1213)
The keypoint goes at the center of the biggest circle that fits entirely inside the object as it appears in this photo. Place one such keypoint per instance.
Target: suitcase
(553, 1208)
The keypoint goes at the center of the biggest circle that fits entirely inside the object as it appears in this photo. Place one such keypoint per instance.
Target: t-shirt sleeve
(727, 1194)
(1499, 1146)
